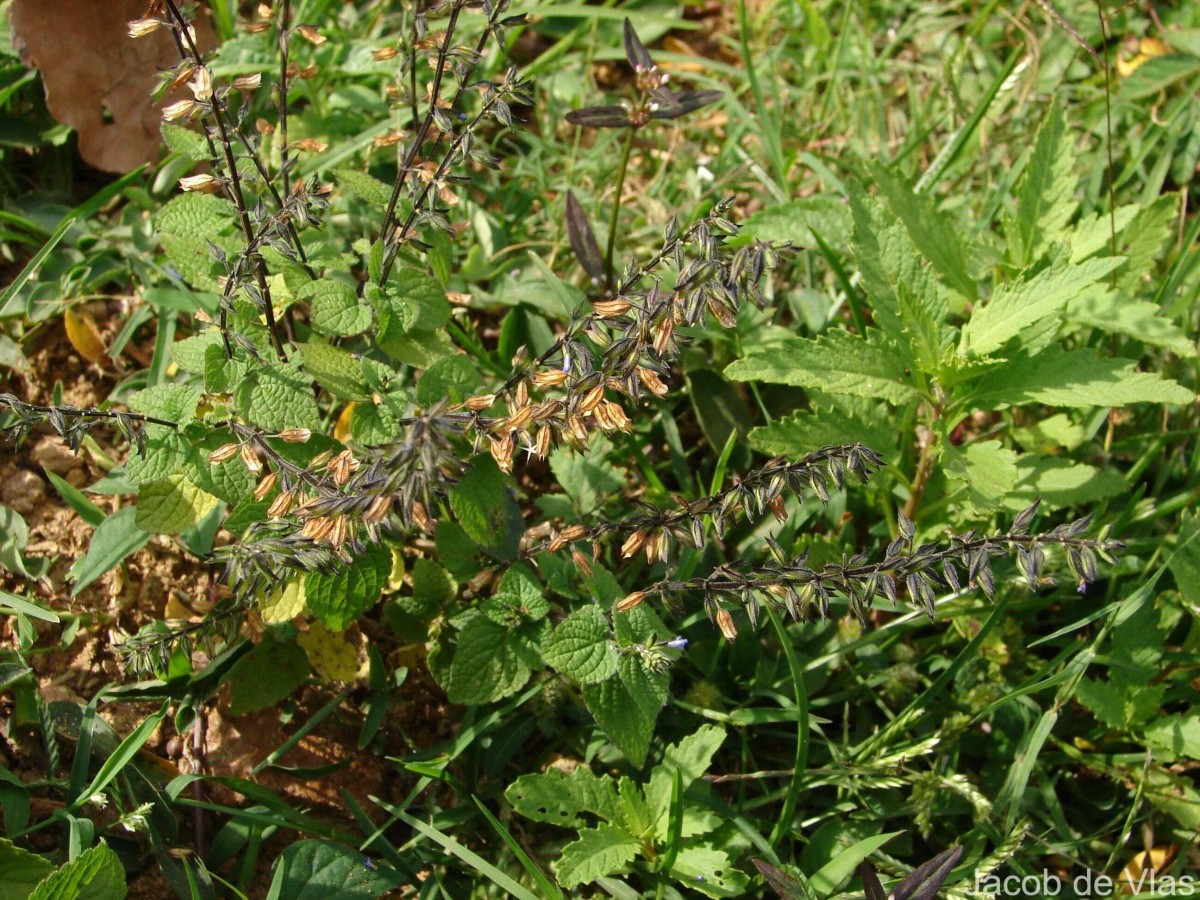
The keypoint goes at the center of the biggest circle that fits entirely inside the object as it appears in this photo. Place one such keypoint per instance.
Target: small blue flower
(679, 643)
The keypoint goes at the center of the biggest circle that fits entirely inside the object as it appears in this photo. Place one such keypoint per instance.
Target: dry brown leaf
(98, 79)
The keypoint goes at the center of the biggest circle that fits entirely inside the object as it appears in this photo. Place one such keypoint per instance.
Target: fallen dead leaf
(98, 79)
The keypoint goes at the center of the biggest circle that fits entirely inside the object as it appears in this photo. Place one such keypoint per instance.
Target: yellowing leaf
(1148, 48)
(341, 428)
(330, 654)
(171, 504)
(85, 336)
(284, 604)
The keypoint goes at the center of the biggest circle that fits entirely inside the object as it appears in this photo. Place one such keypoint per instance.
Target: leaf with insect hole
(583, 239)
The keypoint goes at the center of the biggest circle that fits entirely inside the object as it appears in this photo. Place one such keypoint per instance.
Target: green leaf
(932, 232)
(338, 598)
(173, 402)
(171, 505)
(1060, 483)
(163, 457)
(796, 220)
(231, 481)
(487, 665)
(12, 603)
(420, 349)
(432, 589)
(378, 423)
(338, 371)
(691, 758)
(364, 186)
(837, 362)
(115, 538)
(270, 672)
(20, 870)
(586, 475)
(627, 707)
(1058, 377)
(452, 378)
(599, 851)
(710, 872)
(323, 870)
(184, 141)
(277, 397)
(189, 353)
(1185, 561)
(1017, 305)
(96, 874)
(1115, 313)
(986, 470)
(521, 593)
(186, 225)
(78, 501)
(838, 870)
(1105, 699)
(580, 647)
(221, 375)
(336, 309)
(1176, 737)
(1046, 197)
(560, 797)
(844, 420)
(487, 510)
(410, 301)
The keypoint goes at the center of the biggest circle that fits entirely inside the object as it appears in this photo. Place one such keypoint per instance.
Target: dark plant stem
(616, 210)
(410, 155)
(921, 476)
(88, 413)
(239, 201)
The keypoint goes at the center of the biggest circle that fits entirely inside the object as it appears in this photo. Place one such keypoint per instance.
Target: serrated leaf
(486, 666)
(378, 423)
(709, 871)
(338, 371)
(599, 851)
(277, 397)
(220, 374)
(560, 797)
(932, 232)
(1017, 305)
(420, 349)
(96, 874)
(172, 504)
(1075, 378)
(837, 362)
(796, 220)
(1176, 736)
(452, 378)
(331, 655)
(521, 592)
(580, 647)
(1060, 483)
(1141, 320)
(20, 870)
(285, 603)
(270, 672)
(626, 707)
(367, 187)
(410, 301)
(338, 598)
(323, 870)
(845, 420)
(487, 510)
(164, 456)
(173, 402)
(336, 309)
(1046, 197)
(189, 354)
(691, 758)
(987, 470)
(186, 225)
(231, 481)
(184, 141)
(586, 475)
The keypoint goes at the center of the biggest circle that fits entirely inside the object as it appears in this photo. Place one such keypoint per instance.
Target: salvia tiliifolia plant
(324, 416)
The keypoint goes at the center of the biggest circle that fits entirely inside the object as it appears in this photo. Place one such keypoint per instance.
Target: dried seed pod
(318, 462)
(582, 561)
(502, 451)
(633, 544)
(630, 601)
(419, 517)
(342, 466)
(203, 184)
(663, 333)
(549, 378)
(573, 532)
(250, 458)
(265, 486)
(520, 418)
(652, 382)
(616, 415)
(378, 509)
(202, 85)
(281, 504)
(521, 394)
(608, 308)
(725, 623)
(294, 435)
(224, 453)
(248, 83)
(592, 399)
(384, 53)
(142, 27)
(310, 34)
(483, 401)
(545, 437)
